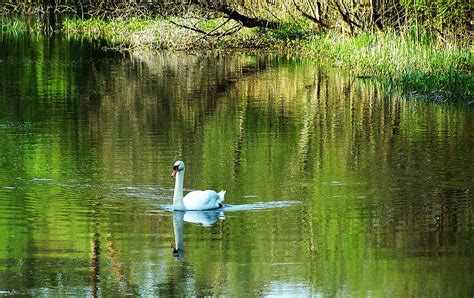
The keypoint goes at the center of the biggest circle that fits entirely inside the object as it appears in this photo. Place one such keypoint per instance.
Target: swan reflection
(206, 218)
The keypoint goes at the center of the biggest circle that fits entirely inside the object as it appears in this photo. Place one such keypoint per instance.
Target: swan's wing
(202, 200)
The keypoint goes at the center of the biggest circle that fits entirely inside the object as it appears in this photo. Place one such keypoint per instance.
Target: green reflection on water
(384, 185)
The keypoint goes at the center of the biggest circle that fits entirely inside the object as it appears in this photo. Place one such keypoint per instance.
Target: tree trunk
(376, 18)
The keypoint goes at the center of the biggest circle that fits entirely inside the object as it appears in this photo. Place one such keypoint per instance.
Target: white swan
(195, 200)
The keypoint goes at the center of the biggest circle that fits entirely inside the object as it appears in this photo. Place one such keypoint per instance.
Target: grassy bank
(138, 34)
(419, 66)
(415, 62)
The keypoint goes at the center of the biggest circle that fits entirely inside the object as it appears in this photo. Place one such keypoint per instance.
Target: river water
(334, 187)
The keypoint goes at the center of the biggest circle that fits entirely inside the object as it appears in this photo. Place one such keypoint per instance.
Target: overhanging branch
(245, 20)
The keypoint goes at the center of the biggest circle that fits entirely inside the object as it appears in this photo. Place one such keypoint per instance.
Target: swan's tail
(221, 196)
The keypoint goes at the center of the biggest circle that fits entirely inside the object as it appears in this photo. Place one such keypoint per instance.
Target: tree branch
(345, 15)
(245, 20)
(210, 33)
(312, 18)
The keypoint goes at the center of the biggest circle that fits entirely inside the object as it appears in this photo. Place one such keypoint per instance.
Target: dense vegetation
(423, 46)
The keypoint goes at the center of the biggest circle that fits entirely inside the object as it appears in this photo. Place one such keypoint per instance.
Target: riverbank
(416, 63)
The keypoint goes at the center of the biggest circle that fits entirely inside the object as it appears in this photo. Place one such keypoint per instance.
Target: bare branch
(345, 15)
(210, 33)
(312, 18)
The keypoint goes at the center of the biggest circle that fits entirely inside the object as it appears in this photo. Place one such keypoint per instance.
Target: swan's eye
(176, 168)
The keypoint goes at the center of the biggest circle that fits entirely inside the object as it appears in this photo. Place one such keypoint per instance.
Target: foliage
(449, 18)
(291, 30)
(178, 33)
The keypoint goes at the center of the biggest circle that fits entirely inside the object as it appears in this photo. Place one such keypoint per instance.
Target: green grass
(17, 25)
(117, 32)
(419, 66)
(13, 26)
(390, 54)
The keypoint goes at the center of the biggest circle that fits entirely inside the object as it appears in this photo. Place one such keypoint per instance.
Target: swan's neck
(178, 192)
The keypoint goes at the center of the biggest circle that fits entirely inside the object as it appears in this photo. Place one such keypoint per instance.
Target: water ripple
(246, 207)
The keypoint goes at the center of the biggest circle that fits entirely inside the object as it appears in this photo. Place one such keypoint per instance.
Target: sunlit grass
(115, 31)
(15, 26)
(421, 66)
(391, 54)
(158, 34)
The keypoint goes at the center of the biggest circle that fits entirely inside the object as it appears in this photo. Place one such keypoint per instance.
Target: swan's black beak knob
(175, 170)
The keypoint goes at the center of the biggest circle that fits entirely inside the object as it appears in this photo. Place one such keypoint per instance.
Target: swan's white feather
(203, 200)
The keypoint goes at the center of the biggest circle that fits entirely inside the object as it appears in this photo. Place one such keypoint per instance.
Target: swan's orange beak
(174, 172)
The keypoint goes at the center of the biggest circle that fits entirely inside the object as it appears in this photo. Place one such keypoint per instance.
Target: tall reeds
(417, 63)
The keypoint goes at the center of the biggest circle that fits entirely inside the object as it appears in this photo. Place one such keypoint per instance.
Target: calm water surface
(334, 188)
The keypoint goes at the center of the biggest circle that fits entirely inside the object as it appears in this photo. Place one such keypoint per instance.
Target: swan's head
(177, 167)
